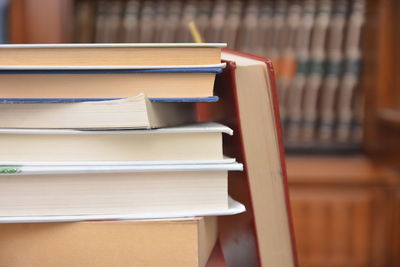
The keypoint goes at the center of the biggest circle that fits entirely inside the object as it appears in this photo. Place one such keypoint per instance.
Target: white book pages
(207, 127)
(234, 207)
(70, 169)
(226, 160)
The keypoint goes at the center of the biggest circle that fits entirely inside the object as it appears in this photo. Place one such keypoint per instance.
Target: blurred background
(339, 90)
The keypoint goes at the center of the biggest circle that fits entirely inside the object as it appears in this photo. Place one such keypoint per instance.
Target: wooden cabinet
(342, 211)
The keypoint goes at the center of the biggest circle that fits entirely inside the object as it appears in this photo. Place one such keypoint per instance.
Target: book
(189, 142)
(287, 60)
(248, 103)
(351, 73)
(96, 83)
(188, 15)
(171, 23)
(114, 192)
(4, 8)
(333, 73)
(147, 23)
(294, 114)
(128, 54)
(316, 72)
(217, 20)
(131, 22)
(185, 242)
(132, 113)
(232, 22)
(84, 16)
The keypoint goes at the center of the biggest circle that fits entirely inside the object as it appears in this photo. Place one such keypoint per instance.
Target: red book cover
(239, 238)
(216, 258)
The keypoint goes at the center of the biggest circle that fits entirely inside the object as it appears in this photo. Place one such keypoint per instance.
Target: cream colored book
(201, 141)
(133, 113)
(114, 192)
(106, 54)
(184, 242)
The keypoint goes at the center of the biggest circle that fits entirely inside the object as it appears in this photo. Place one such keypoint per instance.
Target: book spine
(217, 21)
(352, 66)
(295, 95)
(314, 80)
(265, 28)
(3, 20)
(248, 34)
(232, 22)
(160, 17)
(171, 24)
(100, 35)
(333, 72)
(203, 17)
(278, 21)
(147, 23)
(287, 60)
(188, 15)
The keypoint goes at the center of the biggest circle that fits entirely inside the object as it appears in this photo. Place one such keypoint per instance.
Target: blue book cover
(110, 71)
(78, 100)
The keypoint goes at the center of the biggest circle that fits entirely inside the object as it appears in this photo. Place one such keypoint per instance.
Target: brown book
(84, 21)
(155, 83)
(181, 242)
(110, 54)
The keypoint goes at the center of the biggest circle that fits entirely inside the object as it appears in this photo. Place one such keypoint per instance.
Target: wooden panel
(336, 170)
(340, 226)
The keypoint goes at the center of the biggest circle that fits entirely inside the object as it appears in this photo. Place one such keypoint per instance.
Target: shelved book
(183, 242)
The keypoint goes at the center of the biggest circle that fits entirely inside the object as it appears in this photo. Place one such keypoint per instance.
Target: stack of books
(314, 45)
(102, 161)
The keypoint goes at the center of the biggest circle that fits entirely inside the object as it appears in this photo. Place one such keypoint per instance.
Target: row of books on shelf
(318, 68)
(112, 155)
(314, 46)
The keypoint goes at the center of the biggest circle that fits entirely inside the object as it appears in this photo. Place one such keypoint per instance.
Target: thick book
(128, 54)
(248, 104)
(133, 113)
(201, 141)
(73, 193)
(66, 82)
(184, 242)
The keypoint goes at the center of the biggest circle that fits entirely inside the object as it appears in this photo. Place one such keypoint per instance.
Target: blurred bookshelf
(336, 66)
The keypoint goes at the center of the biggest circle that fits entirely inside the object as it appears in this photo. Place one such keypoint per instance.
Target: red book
(263, 235)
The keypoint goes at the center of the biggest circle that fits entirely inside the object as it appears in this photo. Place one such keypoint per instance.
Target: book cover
(239, 236)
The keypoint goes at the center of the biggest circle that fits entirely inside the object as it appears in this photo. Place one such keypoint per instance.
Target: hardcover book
(184, 242)
(105, 54)
(248, 103)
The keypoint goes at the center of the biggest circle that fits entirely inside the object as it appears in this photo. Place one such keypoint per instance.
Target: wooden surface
(342, 210)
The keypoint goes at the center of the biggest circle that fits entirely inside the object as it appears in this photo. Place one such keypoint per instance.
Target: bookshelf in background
(364, 187)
